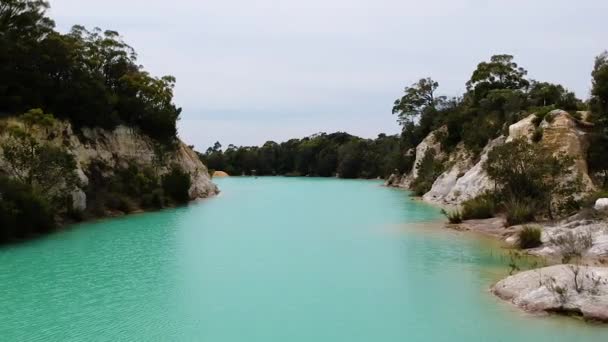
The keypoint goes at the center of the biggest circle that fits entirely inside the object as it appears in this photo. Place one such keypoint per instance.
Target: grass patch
(529, 237)
(454, 216)
(480, 207)
(519, 212)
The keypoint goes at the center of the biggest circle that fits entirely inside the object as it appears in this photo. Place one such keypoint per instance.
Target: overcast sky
(249, 71)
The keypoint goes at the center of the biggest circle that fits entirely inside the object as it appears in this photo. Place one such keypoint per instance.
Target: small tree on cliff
(531, 174)
(598, 148)
(48, 170)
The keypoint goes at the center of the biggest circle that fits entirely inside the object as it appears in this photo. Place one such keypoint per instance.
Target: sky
(249, 71)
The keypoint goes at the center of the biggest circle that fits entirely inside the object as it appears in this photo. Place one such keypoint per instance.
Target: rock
(431, 142)
(563, 135)
(538, 290)
(79, 200)
(595, 232)
(522, 129)
(601, 204)
(120, 147)
(465, 179)
(220, 174)
(471, 184)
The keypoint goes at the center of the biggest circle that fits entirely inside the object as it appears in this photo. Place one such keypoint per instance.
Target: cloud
(335, 63)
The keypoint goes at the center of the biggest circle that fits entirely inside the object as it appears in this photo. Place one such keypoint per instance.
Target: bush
(573, 245)
(155, 200)
(530, 178)
(176, 185)
(480, 207)
(120, 202)
(537, 136)
(519, 212)
(454, 217)
(529, 237)
(23, 212)
(428, 170)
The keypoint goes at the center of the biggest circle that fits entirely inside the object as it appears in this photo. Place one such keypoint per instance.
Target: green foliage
(47, 169)
(519, 211)
(23, 212)
(322, 155)
(543, 94)
(454, 216)
(429, 168)
(418, 100)
(529, 237)
(91, 78)
(537, 136)
(598, 147)
(599, 90)
(480, 207)
(541, 114)
(529, 175)
(176, 184)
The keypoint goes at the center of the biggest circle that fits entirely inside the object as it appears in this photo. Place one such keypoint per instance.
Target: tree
(176, 184)
(598, 147)
(599, 90)
(48, 170)
(419, 98)
(499, 73)
(531, 174)
(542, 94)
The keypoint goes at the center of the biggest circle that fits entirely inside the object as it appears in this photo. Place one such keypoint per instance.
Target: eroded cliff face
(431, 142)
(118, 148)
(465, 178)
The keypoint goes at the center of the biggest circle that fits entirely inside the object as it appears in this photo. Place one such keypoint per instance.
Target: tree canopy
(92, 78)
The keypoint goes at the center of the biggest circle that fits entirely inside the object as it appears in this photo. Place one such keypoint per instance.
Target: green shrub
(176, 185)
(541, 114)
(120, 202)
(537, 136)
(23, 212)
(428, 170)
(454, 216)
(155, 199)
(480, 207)
(529, 237)
(519, 212)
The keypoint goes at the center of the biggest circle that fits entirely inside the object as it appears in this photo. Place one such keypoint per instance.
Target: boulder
(601, 204)
(553, 289)
(522, 129)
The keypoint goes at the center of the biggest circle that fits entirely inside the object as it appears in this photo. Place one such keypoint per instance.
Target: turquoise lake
(270, 259)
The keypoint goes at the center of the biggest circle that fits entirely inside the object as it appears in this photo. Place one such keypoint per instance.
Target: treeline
(91, 78)
(324, 155)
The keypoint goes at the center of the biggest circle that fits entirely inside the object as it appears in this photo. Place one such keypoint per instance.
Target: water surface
(270, 259)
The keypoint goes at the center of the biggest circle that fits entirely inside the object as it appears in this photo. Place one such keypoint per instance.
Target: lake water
(270, 259)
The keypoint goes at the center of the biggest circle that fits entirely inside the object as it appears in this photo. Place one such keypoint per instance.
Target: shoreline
(518, 289)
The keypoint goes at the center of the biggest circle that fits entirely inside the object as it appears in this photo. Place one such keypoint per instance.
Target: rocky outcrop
(564, 135)
(459, 184)
(430, 143)
(465, 178)
(119, 148)
(523, 129)
(567, 289)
